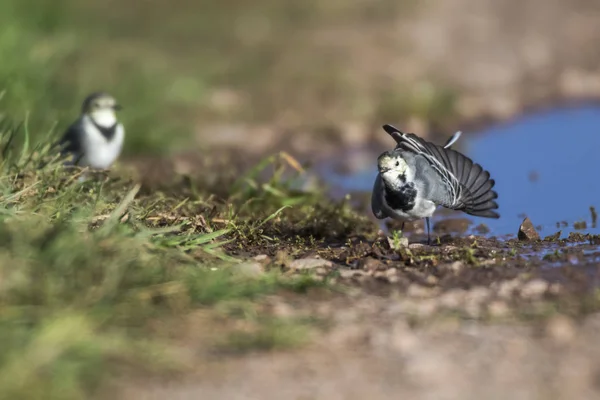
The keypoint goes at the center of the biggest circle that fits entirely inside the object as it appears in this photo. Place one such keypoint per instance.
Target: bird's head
(392, 163)
(101, 107)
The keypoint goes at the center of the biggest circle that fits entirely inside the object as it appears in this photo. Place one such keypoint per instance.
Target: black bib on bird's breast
(402, 199)
(107, 132)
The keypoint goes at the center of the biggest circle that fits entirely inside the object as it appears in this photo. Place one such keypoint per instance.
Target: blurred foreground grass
(86, 268)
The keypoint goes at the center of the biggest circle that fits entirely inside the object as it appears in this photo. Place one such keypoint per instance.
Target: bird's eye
(397, 163)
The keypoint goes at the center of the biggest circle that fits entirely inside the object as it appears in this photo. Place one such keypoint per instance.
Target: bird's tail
(477, 194)
(453, 139)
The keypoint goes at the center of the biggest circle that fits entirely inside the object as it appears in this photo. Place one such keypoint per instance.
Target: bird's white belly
(100, 153)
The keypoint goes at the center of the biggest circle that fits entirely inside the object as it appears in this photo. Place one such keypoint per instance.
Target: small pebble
(371, 265)
(534, 289)
(309, 263)
(555, 288)
(426, 308)
(350, 273)
(403, 339)
(457, 266)
(452, 299)
(415, 290)
(251, 268)
(263, 259)
(477, 295)
(498, 309)
(506, 289)
(392, 275)
(561, 329)
(381, 275)
(527, 231)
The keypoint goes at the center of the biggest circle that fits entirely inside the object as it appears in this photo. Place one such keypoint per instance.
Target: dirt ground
(466, 318)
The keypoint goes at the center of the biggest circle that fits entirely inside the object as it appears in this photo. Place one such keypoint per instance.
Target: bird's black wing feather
(70, 142)
(376, 203)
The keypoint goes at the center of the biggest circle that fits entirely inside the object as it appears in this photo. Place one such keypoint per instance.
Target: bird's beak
(383, 169)
(117, 107)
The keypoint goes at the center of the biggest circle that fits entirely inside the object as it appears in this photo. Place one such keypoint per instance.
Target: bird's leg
(428, 232)
(402, 227)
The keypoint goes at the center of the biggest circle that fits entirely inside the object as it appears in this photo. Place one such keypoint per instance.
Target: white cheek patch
(403, 166)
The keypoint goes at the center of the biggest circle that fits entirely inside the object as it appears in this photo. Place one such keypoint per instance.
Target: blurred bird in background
(96, 138)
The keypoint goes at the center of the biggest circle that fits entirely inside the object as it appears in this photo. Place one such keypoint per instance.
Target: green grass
(73, 298)
(86, 267)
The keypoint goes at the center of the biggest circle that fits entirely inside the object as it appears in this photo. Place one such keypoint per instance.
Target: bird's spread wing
(464, 185)
(376, 204)
(70, 143)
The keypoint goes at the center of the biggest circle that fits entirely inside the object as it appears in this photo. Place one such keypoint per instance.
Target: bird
(417, 176)
(95, 139)
(376, 203)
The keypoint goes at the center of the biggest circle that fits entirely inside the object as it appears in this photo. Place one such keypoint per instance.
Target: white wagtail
(418, 176)
(95, 139)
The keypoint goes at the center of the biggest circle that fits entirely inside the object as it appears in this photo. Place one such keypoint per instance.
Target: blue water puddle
(546, 166)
